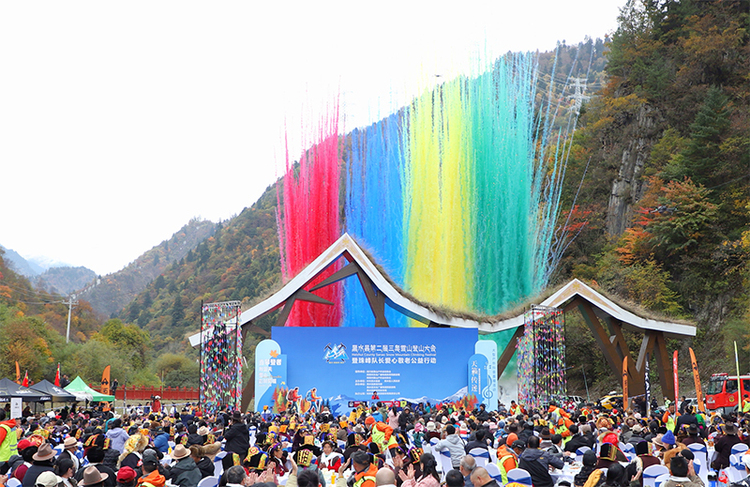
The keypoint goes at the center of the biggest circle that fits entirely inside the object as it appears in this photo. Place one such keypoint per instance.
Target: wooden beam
(601, 336)
(664, 365)
(339, 275)
(647, 345)
(252, 327)
(304, 295)
(248, 393)
(284, 314)
(375, 298)
(510, 349)
(636, 380)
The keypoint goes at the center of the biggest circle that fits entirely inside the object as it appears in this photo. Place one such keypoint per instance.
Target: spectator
(185, 472)
(454, 444)
(537, 463)
(42, 461)
(468, 464)
(481, 478)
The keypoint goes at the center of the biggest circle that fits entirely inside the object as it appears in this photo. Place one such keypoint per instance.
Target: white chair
(13, 482)
(218, 467)
(444, 461)
(209, 482)
(481, 456)
(736, 470)
(579, 453)
(739, 449)
(661, 479)
(650, 474)
(520, 476)
(493, 470)
(700, 452)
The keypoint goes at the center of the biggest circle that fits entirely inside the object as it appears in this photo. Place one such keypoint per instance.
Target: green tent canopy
(84, 393)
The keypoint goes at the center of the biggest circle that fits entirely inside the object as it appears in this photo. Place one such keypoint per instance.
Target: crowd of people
(372, 445)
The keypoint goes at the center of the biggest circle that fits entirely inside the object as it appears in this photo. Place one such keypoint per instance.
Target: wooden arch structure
(605, 318)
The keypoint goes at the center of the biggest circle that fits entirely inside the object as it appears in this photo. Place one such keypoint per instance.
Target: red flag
(25, 379)
(676, 381)
(57, 375)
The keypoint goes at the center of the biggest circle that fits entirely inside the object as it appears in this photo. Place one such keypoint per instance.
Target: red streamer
(309, 202)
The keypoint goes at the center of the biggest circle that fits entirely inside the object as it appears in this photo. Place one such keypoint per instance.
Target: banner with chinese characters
(270, 375)
(337, 367)
(489, 394)
(477, 374)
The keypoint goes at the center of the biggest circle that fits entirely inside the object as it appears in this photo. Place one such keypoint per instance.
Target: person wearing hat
(95, 456)
(237, 438)
(26, 449)
(644, 458)
(151, 477)
(723, 446)
(71, 445)
(92, 477)
(693, 436)
(205, 465)
(42, 461)
(126, 477)
(636, 434)
(132, 452)
(185, 472)
(48, 479)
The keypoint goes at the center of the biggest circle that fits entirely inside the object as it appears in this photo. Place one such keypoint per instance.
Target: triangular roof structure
(84, 393)
(347, 247)
(58, 393)
(9, 389)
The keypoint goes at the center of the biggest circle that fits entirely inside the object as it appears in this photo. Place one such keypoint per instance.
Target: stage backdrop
(344, 367)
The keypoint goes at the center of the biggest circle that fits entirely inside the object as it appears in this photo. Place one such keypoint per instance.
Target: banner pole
(739, 381)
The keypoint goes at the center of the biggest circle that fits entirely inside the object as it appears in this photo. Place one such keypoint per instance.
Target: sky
(121, 121)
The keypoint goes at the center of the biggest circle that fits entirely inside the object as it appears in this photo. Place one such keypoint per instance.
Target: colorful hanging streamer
(456, 195)
(541, 358)
(221, 356)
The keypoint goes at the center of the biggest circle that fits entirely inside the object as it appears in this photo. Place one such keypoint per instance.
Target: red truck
(721, 392)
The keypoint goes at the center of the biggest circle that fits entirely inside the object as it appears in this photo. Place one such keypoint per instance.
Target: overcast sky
(121, 121)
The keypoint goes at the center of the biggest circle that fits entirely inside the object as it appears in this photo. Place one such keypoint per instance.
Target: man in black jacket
(578, 440)
(537, 463)
(238, 439)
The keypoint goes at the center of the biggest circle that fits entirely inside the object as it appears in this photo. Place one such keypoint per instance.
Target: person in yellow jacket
(507, 460)
(381, 434)
(8, 438)
(364, 471)
(670, 418)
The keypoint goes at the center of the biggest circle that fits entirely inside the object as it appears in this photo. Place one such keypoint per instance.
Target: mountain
(109, 294)
(65, 280)
(19, 264)
(656, 195)
(240, 261)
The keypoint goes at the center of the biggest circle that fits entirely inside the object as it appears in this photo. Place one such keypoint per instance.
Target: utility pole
(580, 87)
(70, 304)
